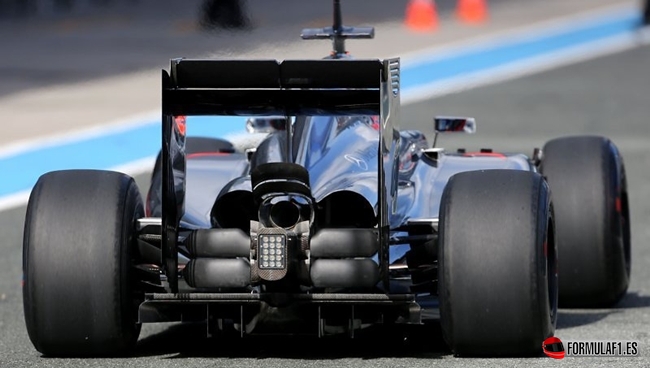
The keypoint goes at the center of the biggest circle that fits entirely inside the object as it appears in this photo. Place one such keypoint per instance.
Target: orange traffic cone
(421, 15)
(472, 11)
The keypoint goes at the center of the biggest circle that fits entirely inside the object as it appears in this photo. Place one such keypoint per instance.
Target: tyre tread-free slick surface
(497, 279)
(587, 178)
(78, 293)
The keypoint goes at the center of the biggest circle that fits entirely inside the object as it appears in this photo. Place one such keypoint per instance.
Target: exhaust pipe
(285, 210)
(282, 192)
(284, 214)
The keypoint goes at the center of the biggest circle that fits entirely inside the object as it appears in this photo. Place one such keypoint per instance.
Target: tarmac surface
(606, 96)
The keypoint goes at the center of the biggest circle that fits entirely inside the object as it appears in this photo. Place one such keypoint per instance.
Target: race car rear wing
(268, 88)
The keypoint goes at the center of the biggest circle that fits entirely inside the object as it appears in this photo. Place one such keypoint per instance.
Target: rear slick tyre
(78, 293)
(497, 263)
(587, 177)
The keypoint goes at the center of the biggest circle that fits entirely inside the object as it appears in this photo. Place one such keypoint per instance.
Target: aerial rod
(337, 28)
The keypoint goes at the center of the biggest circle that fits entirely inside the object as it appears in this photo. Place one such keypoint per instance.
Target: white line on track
(132, 168)
(81, 134)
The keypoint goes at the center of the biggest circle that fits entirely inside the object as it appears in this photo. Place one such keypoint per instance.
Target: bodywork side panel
(431, 176)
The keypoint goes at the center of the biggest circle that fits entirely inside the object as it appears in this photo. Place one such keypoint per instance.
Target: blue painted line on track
(143, 141)
(101, 152)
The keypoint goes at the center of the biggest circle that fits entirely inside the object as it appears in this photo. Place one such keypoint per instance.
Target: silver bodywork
(421, 174)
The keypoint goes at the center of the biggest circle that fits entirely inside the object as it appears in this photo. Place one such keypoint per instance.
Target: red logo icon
(553, 348)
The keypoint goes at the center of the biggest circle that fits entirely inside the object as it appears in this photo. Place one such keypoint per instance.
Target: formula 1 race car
(337, 220)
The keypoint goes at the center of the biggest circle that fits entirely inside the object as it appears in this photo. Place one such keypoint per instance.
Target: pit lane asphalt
(606, 96)
(92, 41)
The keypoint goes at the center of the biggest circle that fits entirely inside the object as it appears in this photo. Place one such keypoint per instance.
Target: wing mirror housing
(454, 124)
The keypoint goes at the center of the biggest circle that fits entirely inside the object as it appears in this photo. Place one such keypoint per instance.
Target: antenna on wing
(338, 33)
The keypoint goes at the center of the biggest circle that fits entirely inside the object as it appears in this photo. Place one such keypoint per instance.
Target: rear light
(272, 252)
